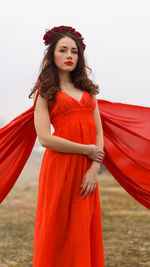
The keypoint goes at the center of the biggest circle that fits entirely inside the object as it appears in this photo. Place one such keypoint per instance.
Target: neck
(64, 78)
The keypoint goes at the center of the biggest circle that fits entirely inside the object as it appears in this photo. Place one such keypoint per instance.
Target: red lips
(69, 62)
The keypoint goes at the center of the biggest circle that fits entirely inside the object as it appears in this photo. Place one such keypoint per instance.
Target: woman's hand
(95, 153)
(89, 181)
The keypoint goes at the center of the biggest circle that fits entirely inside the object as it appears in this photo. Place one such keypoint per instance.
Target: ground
(125, 222)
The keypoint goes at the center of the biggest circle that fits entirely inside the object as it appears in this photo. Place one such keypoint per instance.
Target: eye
(75, 52)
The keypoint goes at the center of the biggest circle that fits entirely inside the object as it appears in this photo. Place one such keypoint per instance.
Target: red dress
(68, 229)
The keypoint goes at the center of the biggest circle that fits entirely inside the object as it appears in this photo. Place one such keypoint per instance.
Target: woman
(68, 229)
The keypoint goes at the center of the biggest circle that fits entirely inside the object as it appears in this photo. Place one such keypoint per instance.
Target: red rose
(50, 34)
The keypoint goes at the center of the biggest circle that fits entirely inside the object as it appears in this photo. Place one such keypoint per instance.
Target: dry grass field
(126, 223)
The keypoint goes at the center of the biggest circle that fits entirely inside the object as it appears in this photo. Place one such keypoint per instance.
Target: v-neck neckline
(79, 101)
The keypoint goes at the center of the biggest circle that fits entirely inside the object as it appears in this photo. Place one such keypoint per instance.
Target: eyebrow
(66, 47)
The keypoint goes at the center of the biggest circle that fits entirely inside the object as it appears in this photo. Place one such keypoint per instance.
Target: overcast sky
(117, 38)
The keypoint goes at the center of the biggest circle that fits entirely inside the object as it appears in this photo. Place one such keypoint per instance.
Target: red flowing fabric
(127, 147)
(17, 139)
(126, 130)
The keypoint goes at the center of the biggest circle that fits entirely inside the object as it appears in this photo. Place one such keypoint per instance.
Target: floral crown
(50, 34)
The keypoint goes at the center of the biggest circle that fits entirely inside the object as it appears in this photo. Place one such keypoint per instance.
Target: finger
(101, 155)
(83, 188)
(91, 189)
(87, 190)
(100, 158)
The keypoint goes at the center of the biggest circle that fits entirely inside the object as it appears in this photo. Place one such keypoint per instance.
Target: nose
(69, 54)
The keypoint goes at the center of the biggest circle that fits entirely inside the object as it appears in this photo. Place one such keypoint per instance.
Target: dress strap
(37, 94)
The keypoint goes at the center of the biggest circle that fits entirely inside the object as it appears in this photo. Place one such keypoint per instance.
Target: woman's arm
(99, 133)
(43, 128)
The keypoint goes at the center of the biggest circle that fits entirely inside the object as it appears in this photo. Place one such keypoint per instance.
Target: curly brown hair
(49, 72)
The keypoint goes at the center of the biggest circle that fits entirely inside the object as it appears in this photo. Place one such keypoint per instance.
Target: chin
(69, 68)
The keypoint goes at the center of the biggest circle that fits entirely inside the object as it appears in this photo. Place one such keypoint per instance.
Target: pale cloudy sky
(117, 38)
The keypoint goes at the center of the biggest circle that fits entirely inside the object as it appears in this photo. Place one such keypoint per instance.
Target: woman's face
(66, 50)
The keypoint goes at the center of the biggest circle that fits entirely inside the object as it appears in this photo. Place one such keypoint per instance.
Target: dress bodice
(68, 110)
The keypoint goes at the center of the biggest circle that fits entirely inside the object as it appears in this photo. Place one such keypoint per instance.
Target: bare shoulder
(97, 117)
(95, 99)
(34, 95)
(41, 101)
(94, 96)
